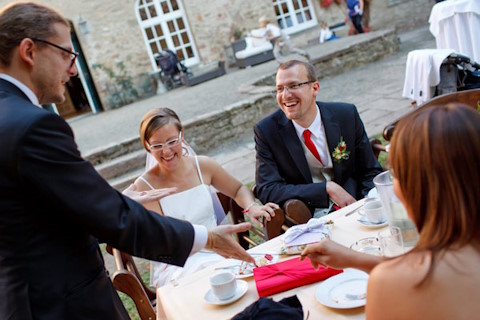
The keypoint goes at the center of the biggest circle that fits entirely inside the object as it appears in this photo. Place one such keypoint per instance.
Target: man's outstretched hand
(221, 240)
(149, 195)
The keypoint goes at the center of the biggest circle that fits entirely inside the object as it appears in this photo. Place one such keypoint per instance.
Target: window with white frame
(164, 26)
(294, 15)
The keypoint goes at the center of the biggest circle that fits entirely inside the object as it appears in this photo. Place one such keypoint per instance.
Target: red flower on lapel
(340, 152)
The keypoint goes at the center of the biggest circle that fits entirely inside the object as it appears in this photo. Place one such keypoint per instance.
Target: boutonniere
(340, 152)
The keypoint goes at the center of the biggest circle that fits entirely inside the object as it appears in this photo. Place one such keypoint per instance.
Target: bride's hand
(149, 195)
(266, 211)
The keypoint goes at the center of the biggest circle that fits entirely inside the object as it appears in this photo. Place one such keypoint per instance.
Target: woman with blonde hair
(434, 157)
(162, 134)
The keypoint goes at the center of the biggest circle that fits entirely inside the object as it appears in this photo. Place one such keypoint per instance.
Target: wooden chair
(468, 97)
(128, 280)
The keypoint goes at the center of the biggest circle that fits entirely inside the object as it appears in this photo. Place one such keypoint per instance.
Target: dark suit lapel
(294, 147)
(333, 133)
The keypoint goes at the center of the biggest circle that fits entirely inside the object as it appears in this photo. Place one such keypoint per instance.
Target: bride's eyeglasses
(167, 145)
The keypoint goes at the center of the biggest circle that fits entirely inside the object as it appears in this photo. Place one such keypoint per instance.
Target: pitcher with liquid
(396, 214)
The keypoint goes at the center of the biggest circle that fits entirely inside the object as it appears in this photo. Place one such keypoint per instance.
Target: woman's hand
(144, 197)
(266, 211)
(331, 254)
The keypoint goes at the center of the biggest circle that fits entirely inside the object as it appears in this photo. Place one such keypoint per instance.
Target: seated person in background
(161, 134)
(316, 152)
(438, 278)
(326, 34)
(280, 40)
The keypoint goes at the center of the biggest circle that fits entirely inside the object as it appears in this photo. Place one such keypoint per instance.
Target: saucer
(242, 287)
(365, 222)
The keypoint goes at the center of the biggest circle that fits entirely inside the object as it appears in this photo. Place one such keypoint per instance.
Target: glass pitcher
(396, 214)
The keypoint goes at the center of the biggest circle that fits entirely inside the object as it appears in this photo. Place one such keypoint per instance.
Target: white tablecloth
(456, 25)
(422, 73)
(185, 299)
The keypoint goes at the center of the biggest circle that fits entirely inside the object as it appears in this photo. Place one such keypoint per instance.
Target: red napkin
(286, 275)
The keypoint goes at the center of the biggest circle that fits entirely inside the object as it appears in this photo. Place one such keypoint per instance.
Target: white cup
(223, 285)
(374, 211)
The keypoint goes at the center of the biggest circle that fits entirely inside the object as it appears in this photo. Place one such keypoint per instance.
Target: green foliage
(382, 157)
(121, 90)
(129, 305)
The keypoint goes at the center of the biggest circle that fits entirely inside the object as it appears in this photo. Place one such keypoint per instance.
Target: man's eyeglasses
(292, 87)
(73, 54)
(167, 145)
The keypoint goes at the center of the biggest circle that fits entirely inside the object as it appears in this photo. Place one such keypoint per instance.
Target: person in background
(355, 12)
(162, 134)
(438, 278)
(280, 40)
(54, 206)
(325, 33)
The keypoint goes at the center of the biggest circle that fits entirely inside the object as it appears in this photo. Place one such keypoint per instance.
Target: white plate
(333, 291)
(242, 287)
(366, 223)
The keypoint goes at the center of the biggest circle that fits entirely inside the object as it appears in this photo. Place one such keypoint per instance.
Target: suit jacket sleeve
(366, 164)
(50, 164)
(278, 177)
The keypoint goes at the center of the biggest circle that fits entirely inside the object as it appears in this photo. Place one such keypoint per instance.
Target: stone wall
(206, 132)
(210, 131)
(214, 23)
(346, 57)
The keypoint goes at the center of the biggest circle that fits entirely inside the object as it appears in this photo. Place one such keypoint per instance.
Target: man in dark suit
(53, 204)
(330, 165)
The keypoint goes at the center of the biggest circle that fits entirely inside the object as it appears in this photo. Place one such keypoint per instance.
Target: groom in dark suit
(316, 152)
(53, 204)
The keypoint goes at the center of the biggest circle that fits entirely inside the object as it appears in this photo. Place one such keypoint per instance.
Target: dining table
(184, 299)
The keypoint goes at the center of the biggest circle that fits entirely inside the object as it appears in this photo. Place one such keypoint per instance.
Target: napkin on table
(286, 275)
(312, 231)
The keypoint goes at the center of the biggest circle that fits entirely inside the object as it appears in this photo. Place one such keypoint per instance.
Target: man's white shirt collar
(26, 90)
(315, 128)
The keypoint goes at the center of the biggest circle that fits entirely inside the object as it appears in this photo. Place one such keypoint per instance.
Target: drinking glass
(391, 241)
(396, 214)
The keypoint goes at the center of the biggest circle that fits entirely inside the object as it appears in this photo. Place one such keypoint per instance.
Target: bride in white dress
(161, 134)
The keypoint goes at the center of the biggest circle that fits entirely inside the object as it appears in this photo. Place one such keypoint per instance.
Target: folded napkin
(312, 231)
(286, 275)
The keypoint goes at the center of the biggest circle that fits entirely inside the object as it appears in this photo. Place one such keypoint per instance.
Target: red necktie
(310, 145)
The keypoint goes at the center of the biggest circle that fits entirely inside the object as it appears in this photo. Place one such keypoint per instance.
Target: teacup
(223, 285)
(374, 211)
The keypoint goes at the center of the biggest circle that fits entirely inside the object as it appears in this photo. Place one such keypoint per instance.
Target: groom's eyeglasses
(73, 54)
(292, 87)
(167, 145)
